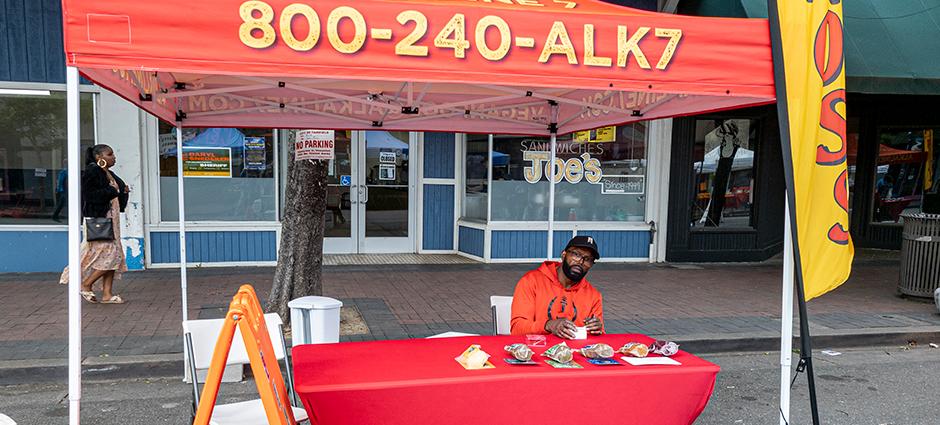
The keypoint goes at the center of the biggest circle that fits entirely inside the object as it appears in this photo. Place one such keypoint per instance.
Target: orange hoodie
(540, 297)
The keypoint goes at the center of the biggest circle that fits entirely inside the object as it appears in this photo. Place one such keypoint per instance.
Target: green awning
(892, 46)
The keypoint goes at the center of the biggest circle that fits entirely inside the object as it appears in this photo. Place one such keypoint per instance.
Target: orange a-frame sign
(246, 314)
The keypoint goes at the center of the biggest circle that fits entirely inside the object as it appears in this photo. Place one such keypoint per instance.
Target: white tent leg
(786, 317)
(75, 267)
(551, 199)
(182, 218)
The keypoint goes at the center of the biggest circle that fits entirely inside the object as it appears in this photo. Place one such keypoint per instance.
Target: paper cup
(580, 332)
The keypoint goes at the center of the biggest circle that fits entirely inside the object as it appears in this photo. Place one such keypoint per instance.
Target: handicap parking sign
(345, 180)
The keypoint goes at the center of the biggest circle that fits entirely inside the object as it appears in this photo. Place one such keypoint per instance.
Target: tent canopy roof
(496, 66)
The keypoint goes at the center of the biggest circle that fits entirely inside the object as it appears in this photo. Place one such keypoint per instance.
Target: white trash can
(314, 320)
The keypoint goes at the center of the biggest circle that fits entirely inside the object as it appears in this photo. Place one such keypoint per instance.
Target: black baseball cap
(586, 242)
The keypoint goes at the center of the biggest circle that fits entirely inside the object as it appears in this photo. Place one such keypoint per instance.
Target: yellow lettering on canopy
(558, 43)
(332, 29)
(589, 58)
(568, 4)
(530, 3)
(674, 36)
(632, 45)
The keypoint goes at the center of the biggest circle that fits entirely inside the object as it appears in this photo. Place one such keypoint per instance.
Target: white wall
(119, 126)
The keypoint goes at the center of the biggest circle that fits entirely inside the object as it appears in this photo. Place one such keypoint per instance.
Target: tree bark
(300, 256)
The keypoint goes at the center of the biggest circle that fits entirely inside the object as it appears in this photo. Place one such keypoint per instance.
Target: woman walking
(104, 195)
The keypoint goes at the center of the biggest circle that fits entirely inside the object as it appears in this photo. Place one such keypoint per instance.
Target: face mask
(570, 274)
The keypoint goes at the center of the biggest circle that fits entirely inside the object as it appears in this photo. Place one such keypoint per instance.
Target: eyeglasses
(580, 258)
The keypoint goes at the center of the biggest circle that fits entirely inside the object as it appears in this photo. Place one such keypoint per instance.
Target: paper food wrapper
(474, 358)
(559, 352)
(635, 349)
(520, 351)
(599, 350)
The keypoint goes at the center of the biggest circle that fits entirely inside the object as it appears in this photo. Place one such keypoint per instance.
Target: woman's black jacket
(97, 192)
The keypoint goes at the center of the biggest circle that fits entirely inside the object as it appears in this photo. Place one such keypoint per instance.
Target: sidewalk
(706, 307)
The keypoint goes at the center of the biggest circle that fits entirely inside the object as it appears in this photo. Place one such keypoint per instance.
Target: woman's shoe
(89, 296)
(115, 299)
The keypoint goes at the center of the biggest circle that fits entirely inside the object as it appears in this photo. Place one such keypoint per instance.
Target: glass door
(341, 230)
(386, 212)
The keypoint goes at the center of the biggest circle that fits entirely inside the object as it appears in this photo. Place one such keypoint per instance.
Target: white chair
(502, 312)
(200, 336)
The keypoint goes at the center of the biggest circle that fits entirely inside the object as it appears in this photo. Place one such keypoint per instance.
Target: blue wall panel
(41, 251)
(519, 244)
(620, 244)
(470, 241)
(559, 241)
(439, 155)
(438, 216)
(31, 41)
(214, 247)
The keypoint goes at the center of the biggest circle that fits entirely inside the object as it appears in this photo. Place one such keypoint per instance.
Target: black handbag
(99, 229)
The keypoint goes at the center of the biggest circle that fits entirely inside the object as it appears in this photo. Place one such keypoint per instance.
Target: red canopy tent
(535, 67)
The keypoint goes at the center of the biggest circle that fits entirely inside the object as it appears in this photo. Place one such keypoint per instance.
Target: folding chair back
(501, 307)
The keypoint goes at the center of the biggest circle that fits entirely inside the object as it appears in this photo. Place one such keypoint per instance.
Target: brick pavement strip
(412, 301)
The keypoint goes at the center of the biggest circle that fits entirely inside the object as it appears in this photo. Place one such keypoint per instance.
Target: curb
(16, 372)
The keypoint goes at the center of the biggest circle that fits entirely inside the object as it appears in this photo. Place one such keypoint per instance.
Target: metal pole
(75, 267)
(806, 354)
(182, 217)
(553, 128)
(551, 199)
(786, 317)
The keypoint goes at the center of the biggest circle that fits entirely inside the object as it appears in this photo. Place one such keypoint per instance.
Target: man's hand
(594, 325)
(562, 328)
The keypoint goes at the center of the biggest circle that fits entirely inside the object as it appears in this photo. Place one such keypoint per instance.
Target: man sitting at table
(555, 298)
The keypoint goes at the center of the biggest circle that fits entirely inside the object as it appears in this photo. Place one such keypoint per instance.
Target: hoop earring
(102, 163)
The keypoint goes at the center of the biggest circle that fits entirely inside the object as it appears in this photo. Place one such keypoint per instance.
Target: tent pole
(553, 128)
(182, 217)
(75, 267)
(551, 199)
(806, 354)
(786, 317)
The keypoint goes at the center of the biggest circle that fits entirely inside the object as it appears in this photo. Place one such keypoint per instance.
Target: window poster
(207, 161)
(386, 172)
(254, 154)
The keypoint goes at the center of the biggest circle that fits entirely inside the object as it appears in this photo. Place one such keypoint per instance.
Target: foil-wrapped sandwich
(665, 348)
(599, 350)
(560, 352)
(520, 351)
(635, 349)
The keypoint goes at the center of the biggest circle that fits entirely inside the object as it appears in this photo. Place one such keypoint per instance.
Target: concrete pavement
(705, 307)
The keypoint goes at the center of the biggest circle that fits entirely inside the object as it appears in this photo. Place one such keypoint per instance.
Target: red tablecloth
(418, 382)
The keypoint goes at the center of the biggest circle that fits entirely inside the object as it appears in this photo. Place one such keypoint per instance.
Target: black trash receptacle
(920, 255)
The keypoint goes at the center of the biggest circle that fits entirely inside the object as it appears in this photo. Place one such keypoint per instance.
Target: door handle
(366, 191)
(353, 190)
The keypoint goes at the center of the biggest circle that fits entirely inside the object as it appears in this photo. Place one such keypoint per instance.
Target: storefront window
(723, 155)
(600, 176)
(603, 175)
(228, 173)
(475, 183)
(520, 185)
(33, 147)
(906, 179)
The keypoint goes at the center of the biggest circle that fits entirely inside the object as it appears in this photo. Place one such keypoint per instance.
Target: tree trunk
(300, 256)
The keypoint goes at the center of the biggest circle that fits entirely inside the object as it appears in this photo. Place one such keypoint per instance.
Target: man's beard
(571, 274)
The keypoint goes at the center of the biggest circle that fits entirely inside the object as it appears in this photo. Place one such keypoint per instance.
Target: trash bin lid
(315, 303)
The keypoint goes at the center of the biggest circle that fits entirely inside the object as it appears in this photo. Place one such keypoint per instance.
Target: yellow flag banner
(807, 40)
